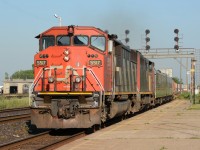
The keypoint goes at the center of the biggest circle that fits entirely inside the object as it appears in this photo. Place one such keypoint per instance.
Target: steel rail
(17, 143)
(25, 141)
(64, 141)
(15, 118)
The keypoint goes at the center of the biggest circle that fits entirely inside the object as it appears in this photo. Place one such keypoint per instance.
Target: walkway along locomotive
(84, 77)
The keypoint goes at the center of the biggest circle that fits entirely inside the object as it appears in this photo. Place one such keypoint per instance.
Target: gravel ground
(15, 131)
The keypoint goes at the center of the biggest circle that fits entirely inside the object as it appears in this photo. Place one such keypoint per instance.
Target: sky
(22, 20)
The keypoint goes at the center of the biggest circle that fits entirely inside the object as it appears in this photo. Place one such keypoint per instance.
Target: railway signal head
(147, 47)
(147, 39)
(126, 40)
(176, 31)
(176, 47)
(147, 31)
(176, 39)
(127, 31)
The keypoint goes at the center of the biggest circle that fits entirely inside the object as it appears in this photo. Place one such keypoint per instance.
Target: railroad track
(16, 114)
(46, 140)
(14, 110)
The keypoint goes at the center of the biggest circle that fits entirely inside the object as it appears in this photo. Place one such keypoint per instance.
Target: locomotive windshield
(63, 40)
(80, 40)
(98, 42)
(47, 41)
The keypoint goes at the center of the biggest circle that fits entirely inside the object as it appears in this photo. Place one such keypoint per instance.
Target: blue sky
(22, 20)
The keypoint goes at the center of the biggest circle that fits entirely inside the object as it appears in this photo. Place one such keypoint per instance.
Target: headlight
(66, 58)
(50, 79)
(77, 79)
(66, 52)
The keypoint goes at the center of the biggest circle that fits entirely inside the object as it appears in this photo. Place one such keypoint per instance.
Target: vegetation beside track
(13, 102)
(194, 107)
(186, 96)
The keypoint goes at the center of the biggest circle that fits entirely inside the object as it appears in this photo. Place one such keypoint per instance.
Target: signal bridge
(158, 53)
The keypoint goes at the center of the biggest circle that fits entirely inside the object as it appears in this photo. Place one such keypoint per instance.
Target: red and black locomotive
(85, 76)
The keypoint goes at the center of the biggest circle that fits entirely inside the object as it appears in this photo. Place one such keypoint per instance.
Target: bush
(184, 95)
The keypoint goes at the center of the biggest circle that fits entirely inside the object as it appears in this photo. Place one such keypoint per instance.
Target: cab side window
(47, 41)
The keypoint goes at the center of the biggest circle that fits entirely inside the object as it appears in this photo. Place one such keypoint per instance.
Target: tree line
(21, 74)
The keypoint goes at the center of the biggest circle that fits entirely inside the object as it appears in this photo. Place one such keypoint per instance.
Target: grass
(13, 103)
(163, 148)
(184, 95)
(194, 107)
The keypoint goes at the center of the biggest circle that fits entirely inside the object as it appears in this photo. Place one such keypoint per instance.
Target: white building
(16, 86)
(1, 89)
(167, 71)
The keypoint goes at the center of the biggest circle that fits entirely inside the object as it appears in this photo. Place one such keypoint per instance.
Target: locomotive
(84, 76)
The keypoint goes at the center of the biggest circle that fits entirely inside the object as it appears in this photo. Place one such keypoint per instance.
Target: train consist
(85, 76)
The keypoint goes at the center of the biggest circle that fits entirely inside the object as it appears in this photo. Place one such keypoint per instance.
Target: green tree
(176, 80)
(23, 74)
(6, 75)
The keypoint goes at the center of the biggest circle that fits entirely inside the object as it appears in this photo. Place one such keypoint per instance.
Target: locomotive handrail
(96, 78)
(34, 83)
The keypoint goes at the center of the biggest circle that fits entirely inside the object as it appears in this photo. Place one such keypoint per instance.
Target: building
(16, 86)
(167, 71)
(1, 89)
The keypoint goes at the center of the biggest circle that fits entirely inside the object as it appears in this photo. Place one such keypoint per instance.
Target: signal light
(147, 47)
(147, 31)
(147, 39)
(176, 39)
(126, 40)
(176, 47)
(127, 32)
(176, 31)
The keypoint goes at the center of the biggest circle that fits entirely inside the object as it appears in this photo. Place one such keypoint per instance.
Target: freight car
(85, 76)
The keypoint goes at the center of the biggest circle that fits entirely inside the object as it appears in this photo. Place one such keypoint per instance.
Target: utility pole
(181, 75)
(187, 72)
(193, 80)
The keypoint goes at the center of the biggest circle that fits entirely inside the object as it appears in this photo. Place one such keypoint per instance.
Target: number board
(95, 62)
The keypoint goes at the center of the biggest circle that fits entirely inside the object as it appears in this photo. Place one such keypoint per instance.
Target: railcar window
(80, 40)
(47, 41)
(63, 40)
(99, 42)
